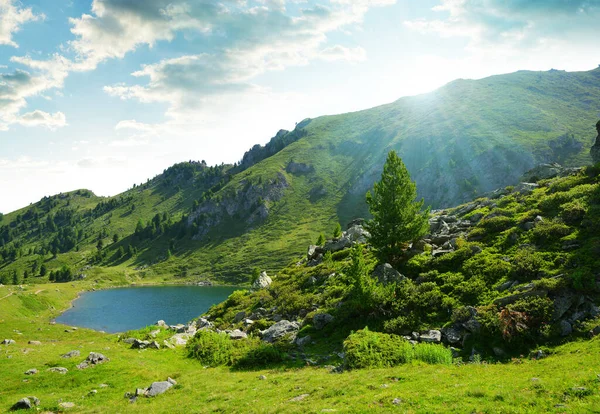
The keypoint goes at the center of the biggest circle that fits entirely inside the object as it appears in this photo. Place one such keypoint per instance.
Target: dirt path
(38, 291)
(10, 294)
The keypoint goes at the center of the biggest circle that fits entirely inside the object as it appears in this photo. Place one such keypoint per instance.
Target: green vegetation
(397, 217)
(458, 142)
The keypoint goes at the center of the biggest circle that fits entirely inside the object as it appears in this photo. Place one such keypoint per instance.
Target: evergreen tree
(115, 238)
(16, 280)
(397, 216)
(43, 270)
(321, 240)
(337, 232)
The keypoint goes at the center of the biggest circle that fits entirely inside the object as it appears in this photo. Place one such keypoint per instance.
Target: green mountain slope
(464, 139)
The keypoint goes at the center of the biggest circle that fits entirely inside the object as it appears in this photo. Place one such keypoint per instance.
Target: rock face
(546, 171)
(263, 282)
(355, 234)
(595, 150)
(279, 330)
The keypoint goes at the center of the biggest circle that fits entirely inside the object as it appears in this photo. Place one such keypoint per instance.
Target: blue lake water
(122, 309)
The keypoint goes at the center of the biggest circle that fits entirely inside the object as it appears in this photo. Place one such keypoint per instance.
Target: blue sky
(101, 94)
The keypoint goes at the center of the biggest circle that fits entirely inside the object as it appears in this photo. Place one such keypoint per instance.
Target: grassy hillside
(566, 381)
(458, 142)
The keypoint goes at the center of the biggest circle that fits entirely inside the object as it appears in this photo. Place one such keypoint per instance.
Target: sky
(103, 94)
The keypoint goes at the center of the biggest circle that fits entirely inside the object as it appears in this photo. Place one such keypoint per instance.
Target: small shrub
(262, 355)
(573, 212)
(366, 349)
(211, 348)
(497, 224)
(549, 231)
(527, 264)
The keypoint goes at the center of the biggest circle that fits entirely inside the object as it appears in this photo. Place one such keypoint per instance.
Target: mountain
(460, 141)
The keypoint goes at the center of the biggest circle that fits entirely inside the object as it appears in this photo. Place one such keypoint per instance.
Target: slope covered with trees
(199, 222)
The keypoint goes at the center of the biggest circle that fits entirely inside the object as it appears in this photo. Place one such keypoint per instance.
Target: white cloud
(333, 53)
(515, 23)
(41, 118)
(12, 17)
(17, 86)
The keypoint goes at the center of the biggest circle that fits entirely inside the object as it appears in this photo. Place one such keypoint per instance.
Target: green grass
(521, 386)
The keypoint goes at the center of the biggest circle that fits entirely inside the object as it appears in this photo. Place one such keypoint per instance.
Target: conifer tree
(397, 216)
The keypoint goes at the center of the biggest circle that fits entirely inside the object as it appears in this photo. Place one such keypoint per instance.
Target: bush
(573, 212)
(262, 355)
(366, 349)
(549, 231)
(527, 264)
(497, 224)
(211, 348)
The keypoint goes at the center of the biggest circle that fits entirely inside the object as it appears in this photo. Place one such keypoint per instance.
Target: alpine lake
(128, 308)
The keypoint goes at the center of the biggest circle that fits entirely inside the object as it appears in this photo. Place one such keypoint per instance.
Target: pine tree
(397, 216)
(321, 240)
(337, 232)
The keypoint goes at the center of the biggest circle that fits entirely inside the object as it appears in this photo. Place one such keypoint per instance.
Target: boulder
(31, 371)
(386, 274)
(59, 370)
(66, 405)
(26, 403)
(34, 343)
(158, 388)
(239, 316)
(129, 341)
(313, 251)
(154, 345)
(453, 334)
(162, 324)
(565, 328)
(542, 172)
(526, 188)
(305, 340)
(431, 336)
(71, 354)
(155, 333)
(237, 334)
(338, 244)
(8, 342)
(180, 339)
(279, 330)
(263, 281)
(357, 234)
(320, 320)
(203, 323)
(139, 344)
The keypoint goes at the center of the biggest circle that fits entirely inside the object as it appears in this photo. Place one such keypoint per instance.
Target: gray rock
(129, 341)
(66, 405)
(154, 345)
(158, 388)
(263, 281)
(338, 244)
(472, 325)
(139, 344)
(162, 324)
(565, 328)
(25, 403)
(280, 329)
(155, 333)
(71, 354)
(139, 392)
(180, 339)
(357, 234)
(8, 342)
(239, 316)
(59, 370)
(237, 334)
(171, 380)
(526, 188)
(168, 344)
(31, 371)
(300, 397)
(499, 352)
(96, 358)
(397, 401)
(431, 336)
(452, 334)
(320, 320)
(305, 340)
(262, 377)
(595, 331)
(386, 274)
(34, 343)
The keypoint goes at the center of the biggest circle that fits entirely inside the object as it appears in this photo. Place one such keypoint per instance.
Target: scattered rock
(162, 324)
(66, 405)
(180, 339)
(263, 281)
(158, 388)
(34, 343)
(129, 340)
(397, 401)
(305, 340)
(239, 316)
(154, 345)
(94, 358)
(262, 377)
(171, 380)
(92, 392)
(155, 333)
(139, 344)
(320, 320)
(168, 344)
(59, 370)
(71, 354)
(25, 403)
(431, 336)
(8, 342)
(31, 371)
(565, 328)
(300, 397)
(237, 334)
(386, 274)
(280, 329)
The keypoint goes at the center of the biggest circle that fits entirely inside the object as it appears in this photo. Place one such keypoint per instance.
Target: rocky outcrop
(26, 403)
(546, 171)
(386, 274)
(94, 358)
(281, 140)
(263, 282)
(595, 150)
(320, 320)
(249, 203)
